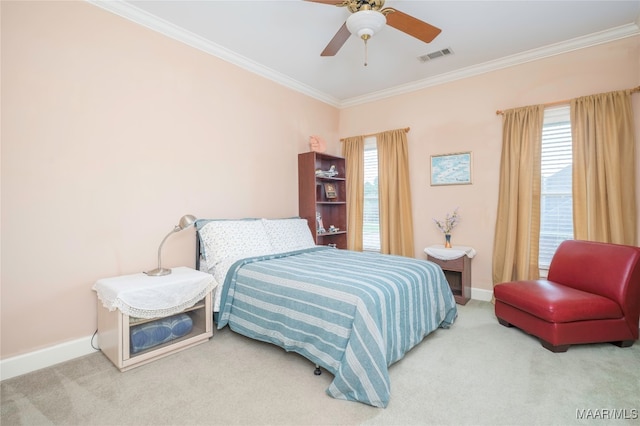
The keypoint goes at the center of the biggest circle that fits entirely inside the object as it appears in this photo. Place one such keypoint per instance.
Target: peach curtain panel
(353, 152)
(604, 201)
(396, 222)
(517, 232)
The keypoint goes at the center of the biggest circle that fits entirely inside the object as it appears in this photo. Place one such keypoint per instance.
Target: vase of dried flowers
(450, 221)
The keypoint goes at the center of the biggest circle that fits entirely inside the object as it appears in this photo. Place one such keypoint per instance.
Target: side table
(456, 265)
(131, 300)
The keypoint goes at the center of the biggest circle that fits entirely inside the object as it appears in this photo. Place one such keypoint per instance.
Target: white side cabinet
(114, 325)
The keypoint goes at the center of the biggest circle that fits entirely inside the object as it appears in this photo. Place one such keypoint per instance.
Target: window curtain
(517, 232)
(604, 201)
(396, 223)
(353, 152)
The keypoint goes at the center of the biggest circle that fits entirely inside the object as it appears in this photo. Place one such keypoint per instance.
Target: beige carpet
(476, 373)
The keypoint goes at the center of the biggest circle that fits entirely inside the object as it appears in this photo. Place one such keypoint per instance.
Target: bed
(352, 313)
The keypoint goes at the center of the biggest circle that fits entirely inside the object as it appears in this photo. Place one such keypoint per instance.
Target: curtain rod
(566, 101)
(406, 130)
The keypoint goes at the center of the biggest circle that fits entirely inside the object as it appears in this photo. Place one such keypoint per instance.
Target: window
(371, 221)
(556, 208)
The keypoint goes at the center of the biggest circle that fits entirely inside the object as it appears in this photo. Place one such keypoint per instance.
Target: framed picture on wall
(330, 190)
(451, 169)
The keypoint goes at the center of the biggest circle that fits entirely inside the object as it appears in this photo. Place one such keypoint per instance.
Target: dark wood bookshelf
(326, 196)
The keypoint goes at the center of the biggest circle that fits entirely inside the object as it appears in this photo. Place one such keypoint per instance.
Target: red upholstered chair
(591, 295)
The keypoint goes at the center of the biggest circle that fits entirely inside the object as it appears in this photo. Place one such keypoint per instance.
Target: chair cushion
(556, 303)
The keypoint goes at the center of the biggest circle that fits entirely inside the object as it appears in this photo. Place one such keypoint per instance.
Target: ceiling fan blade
(410, 25)
(337, 41)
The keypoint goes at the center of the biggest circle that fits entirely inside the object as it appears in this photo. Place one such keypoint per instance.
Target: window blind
(556, 203)
(371, 220)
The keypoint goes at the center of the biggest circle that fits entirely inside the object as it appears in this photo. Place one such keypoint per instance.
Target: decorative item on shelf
(317, 144)
(185, 222)
(319, 226)
(333, 229)
(332, 172)
(330, 190)
(450, 221)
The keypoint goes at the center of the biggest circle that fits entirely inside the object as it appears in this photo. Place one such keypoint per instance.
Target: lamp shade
(365, 23)
(186, 221)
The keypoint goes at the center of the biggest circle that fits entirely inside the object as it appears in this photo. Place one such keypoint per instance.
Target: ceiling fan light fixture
(365, 23)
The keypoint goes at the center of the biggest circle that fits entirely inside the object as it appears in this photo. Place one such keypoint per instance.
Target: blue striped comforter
(352, 313)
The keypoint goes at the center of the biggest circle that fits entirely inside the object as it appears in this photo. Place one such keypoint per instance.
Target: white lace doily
(455, 252)
(143, 296)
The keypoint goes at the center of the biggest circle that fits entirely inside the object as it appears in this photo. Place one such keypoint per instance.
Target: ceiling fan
(368, 17)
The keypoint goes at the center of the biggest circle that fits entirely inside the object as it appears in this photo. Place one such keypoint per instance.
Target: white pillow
(227, 241)
(289, 234)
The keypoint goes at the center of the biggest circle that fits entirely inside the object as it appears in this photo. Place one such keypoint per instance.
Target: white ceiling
(282, 40)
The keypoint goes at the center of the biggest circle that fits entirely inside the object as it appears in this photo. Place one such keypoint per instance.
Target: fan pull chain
(366, 55)
(365, 37)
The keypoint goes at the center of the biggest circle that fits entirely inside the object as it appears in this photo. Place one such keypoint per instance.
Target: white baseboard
(480, 294)
(32, 361)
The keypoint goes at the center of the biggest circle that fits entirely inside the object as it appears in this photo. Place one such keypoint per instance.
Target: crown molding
(154, 23)
(577, 43)
(134, 14)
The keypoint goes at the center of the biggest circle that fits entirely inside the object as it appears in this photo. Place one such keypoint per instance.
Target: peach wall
(461, 116)
(110, 133)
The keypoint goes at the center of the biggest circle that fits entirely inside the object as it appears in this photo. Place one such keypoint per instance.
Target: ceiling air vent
(436, 54)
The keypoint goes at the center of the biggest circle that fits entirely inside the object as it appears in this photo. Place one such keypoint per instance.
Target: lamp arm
(176, 229)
